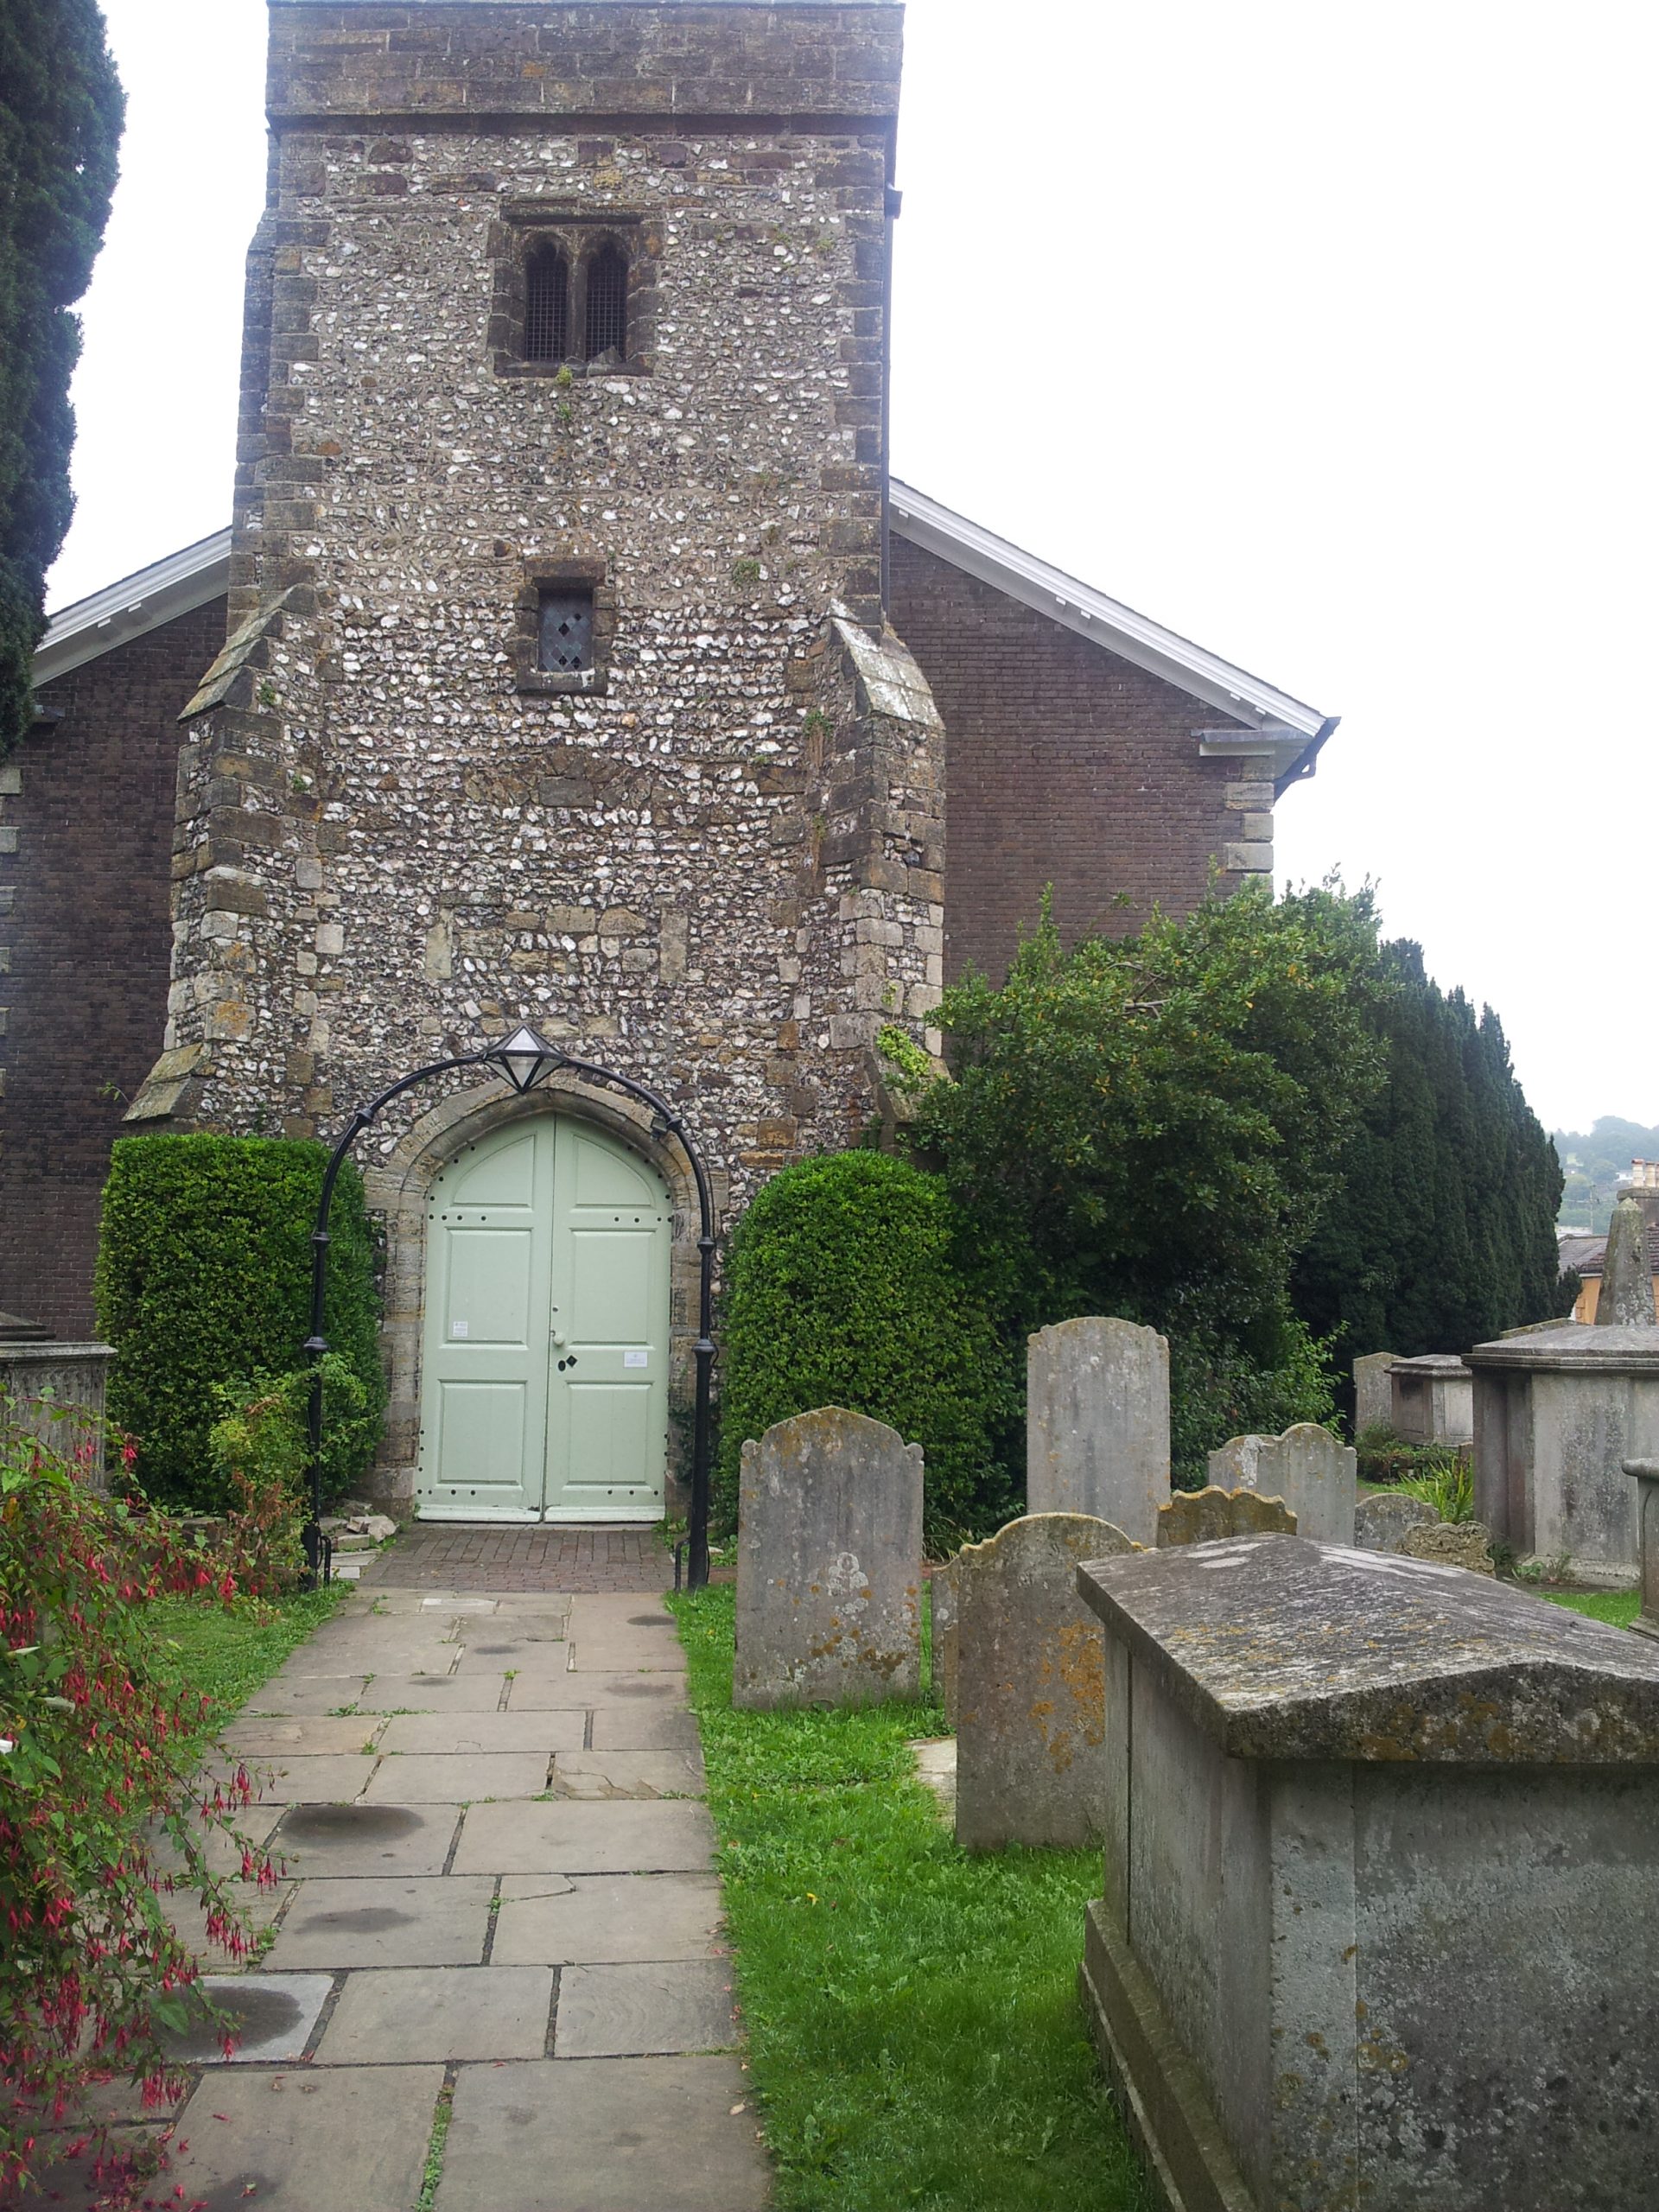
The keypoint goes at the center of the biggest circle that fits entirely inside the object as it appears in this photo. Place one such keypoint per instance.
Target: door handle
(558, 1341)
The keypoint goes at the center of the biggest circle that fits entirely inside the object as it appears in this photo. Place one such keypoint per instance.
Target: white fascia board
(184, 580)
(1116, 628)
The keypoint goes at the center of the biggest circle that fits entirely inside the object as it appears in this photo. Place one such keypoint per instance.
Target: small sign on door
(635, 1358)
(457, 1328)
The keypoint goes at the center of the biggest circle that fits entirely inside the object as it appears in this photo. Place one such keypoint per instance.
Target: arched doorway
(545, 1390)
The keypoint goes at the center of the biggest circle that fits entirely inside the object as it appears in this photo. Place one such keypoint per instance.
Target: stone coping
(50, 1353)
(1431, 1364)
(1574, 1344)
(1280, 1648)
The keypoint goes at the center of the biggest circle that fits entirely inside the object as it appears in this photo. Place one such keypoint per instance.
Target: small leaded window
(565, 639)
(547, 306)
(607, 302)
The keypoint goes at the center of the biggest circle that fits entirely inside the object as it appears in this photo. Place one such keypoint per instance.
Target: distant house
(1587, 1254)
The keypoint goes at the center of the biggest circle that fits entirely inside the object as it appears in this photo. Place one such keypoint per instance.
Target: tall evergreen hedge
(204, 1277)
(842, 1291)
(60, 112)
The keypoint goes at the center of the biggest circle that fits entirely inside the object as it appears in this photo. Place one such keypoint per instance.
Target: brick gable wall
(84, 940)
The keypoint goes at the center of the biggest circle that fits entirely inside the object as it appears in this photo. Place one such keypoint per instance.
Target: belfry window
(547, 305)
(607, 275)
(565, 637)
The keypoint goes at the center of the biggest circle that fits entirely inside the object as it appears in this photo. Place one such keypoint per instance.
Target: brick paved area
(472, 1555)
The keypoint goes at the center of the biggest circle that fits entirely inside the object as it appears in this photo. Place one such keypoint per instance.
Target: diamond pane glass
(567, 632)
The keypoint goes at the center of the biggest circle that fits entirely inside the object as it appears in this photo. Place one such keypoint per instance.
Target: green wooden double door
(544, 1383)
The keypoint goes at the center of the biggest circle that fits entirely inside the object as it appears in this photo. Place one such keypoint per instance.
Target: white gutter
(184, 580)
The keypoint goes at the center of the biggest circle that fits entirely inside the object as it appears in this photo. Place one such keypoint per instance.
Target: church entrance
(544, 1394)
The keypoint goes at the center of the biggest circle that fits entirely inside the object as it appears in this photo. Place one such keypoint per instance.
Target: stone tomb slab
(828, 1564)
(341, 2137)
(570, 1838)
(603, 1919)
(400, 2017)
(274, 2015)
(385, 1920)
(450, 1734)
(631, 2134)
(363, 1839)
(416, 1778)
(644, 2011)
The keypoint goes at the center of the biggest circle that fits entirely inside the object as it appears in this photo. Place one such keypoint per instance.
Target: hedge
(842, 1290)
(204, 1278)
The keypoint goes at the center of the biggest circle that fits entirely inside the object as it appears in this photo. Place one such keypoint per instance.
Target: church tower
(557, 686)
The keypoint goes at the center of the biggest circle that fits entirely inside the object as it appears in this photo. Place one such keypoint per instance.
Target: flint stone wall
(828, 1564)
(1311, 1470)
(1030, 1686)
(1340, 1784)
(1097, 1423)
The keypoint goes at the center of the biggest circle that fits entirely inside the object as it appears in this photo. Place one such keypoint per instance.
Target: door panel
(545, 1386)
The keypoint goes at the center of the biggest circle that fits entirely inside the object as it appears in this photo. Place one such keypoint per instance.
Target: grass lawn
(1618, 1606)
(912, 2022)
(227, 1651)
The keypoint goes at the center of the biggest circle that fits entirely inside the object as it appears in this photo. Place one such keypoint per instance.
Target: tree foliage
(1442, 1232)
(60, 112)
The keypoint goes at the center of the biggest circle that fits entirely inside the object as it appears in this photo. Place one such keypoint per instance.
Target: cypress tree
(60, 112)
(1443, 1232)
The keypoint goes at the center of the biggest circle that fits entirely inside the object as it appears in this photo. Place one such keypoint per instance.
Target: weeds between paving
(912, 2025)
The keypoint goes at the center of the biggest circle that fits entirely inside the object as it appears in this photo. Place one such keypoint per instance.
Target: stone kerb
(1373, 1391)
(1097, 1423)
(1314, 1472)
(1031, 1728)
(828, 1564)
(1210, 1516)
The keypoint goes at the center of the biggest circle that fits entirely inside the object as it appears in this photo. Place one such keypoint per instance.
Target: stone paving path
(440, 1555)
(498, 1899)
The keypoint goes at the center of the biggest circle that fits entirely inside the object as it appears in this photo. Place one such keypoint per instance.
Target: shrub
(1217, 1392)
(261, 1454)
(204, 1275)
(1450, 1490)
(97, 1760)
(1385, 1457)
(842, 1291)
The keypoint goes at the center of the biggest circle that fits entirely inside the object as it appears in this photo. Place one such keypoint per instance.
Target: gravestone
(1207, 1516)
(1314, 1472)
(1625, 1300)
(1381, 1522)
(1097, 1423)
(1453, 1543)
(1030, 1688)
(1373, 1392)
(828, 1564)
(942, 1586)
(1645, 1474)
(1381, 1913)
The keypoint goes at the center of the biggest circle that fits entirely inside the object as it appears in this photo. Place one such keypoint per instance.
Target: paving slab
(373, 1647)
(641, 2011)
(520, 1621)
(589, 1919)
(633, 1727)
(221, 1849)
(506, 1655)
(609, 2135)
(310, 1693)
(332, 1777)
(363, 1839)
(255, 1738)
(76, 2169)
(567, 1839)
(401, 2015)
(416, 1778)
(257, 1908)
(273, 2014)
(536, 1693)
(449, 1734)
(338, 2139)
(620, 1635)
(385, 1920)
(416, 1692)
(627, 1774)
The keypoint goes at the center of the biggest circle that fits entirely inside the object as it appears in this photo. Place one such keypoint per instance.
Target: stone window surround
(554, 575)
(577, 229)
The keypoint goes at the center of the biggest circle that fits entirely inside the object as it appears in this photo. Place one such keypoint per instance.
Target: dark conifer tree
(61, 111)
(1444, 1231)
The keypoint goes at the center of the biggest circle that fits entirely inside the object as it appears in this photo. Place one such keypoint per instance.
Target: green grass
(1618, 1606)
(227, 1651)
(911, 2011)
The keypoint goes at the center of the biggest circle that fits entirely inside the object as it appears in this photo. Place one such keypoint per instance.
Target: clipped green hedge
(204, 1277)
(842, 1290)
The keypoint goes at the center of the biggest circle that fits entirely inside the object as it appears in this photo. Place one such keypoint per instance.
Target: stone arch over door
(400, 1187)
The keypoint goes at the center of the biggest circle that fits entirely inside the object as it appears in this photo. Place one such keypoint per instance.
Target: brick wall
(1064, 764)
(84, 942)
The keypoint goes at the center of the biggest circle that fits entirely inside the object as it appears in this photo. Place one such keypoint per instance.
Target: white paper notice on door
(635, 1358)
(457, 1328)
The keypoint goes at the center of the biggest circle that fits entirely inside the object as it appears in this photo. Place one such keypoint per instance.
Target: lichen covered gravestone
(1209, 1517)
(1373, 1391)
(1454, 1543)
(1380, 1921)
(1314, 1473)
(1097, 1423)
(1625, 1299)
(1382, 1519)
(1030, 1688)
(828, 1564)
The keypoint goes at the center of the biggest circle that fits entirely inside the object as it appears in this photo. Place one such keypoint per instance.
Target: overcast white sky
(1322, 332)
